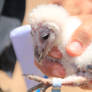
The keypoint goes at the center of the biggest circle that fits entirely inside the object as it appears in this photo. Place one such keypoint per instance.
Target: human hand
(81, 38)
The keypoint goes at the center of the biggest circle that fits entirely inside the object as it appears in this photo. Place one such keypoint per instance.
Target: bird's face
(48, 23)
(44, 36)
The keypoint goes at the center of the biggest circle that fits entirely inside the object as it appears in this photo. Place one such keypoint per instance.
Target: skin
(83, 6)
(57, 70)
(82, 36)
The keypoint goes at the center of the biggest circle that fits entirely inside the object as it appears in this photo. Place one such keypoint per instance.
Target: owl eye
(45, 36)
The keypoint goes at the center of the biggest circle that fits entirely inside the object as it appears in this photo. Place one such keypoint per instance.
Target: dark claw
(35, 87)
(41, 86)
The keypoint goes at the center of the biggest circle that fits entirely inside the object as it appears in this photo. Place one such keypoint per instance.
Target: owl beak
(40, 55)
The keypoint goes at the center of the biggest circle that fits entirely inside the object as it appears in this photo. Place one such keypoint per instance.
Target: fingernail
(74, 48)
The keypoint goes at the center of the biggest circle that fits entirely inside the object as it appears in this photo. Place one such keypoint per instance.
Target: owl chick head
(47, 22)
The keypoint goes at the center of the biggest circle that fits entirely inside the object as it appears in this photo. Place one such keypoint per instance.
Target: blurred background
(11, 16)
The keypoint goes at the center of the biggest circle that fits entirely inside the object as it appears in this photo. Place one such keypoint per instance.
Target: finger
(80, 40)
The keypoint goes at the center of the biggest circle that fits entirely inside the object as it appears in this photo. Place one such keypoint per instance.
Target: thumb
(80, 40)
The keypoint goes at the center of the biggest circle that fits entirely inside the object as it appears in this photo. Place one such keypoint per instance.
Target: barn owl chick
(52, 28)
